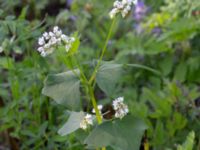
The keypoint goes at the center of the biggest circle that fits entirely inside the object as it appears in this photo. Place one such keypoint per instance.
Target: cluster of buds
(50, 40)
(122, 7)
(120, 108)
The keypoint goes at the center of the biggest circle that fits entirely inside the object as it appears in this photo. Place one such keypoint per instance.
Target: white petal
(41, 41)
(51, 34)
(55, 29)
(40, 49)
(43, 54)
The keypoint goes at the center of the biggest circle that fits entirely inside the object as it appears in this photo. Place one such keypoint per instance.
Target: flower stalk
(102, 52)
(94, 103)
(90, 87)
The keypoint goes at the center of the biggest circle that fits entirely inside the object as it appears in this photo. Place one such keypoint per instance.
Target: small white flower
(118, 4)
(124, 13)
(120, 108)
(41, 41)
(67, 48)
(72, 39)
(46, 35)
(43, 54)
(53, 41)
(65, 40)
(58, 40)
(47, 46)
(87, 120)
(113, 12)
(40, 49)
(55, 29)
(124, 2)
(63, 37)
(58, 33)
(128, 8)
(51, 34)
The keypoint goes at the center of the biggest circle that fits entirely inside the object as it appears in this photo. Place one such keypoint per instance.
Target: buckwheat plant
(64, 88)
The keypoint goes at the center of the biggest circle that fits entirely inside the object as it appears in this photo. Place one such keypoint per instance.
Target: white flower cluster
(50, 40)
(120, 108)
(122, 7)
(87, 120)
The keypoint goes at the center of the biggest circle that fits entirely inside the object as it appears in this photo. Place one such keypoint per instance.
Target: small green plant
(65, 87)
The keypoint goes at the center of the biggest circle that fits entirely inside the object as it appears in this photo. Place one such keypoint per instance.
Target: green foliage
(120, 135)
(64, 89)
(72, 124)
(107, 77)
(144, 44)
(157, 73)
(189, 143)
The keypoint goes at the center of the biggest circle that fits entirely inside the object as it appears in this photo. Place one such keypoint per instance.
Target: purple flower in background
(73, 18)
(157, 31)
(69, 3)
(140, 11)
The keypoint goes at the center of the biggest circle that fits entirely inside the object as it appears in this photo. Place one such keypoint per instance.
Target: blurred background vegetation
(163, 35)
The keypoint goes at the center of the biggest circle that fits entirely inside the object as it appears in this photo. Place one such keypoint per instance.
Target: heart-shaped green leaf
(109, 73)
(107, 76)
(64, 89)
(125, 134)
(72, 124)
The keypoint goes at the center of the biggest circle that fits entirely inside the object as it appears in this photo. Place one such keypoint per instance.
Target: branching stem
(102, 52)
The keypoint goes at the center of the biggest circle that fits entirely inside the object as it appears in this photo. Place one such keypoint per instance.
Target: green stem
(91, 91)
(89, 83)
(71, 67)
(94, 103)
(7, 59)
(102, 52)
(81, 71)
(84, 81)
